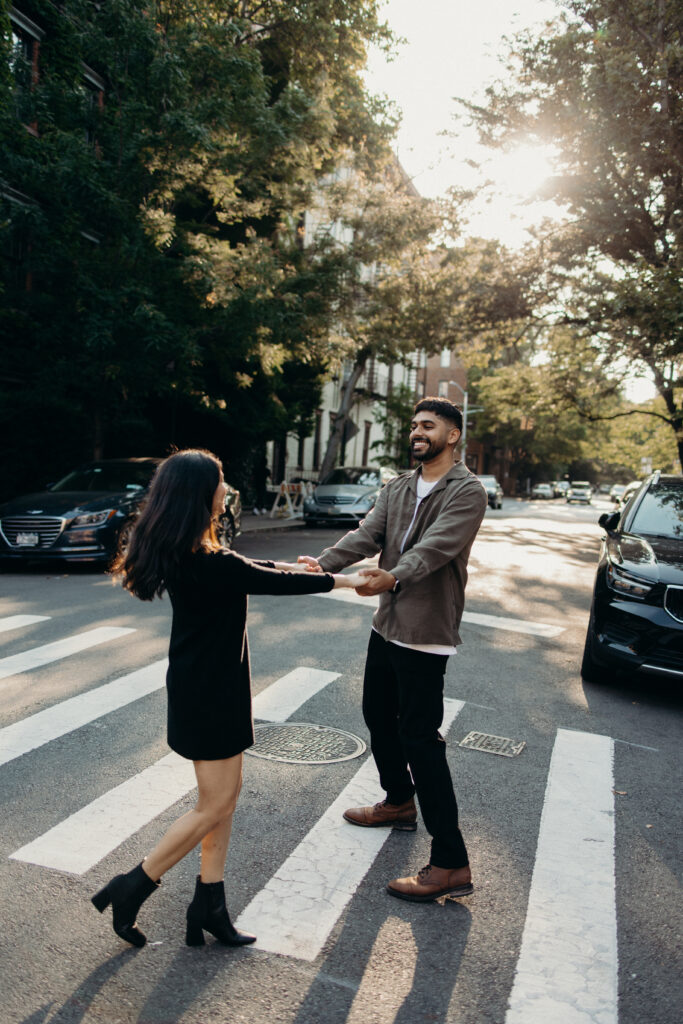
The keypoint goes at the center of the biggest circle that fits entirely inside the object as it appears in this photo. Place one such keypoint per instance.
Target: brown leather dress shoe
(431, 882)
(402, 817)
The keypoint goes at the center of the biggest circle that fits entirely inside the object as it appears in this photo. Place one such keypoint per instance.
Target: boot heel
(405, 826)
(194, 936)
(102, 899)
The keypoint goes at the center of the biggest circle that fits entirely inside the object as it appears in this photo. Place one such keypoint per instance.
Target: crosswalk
(298, 907)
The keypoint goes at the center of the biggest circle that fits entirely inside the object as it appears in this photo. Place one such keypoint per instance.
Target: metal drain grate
(300, 743)
(493, 744)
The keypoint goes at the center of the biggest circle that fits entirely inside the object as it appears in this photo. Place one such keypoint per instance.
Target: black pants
(403, 709)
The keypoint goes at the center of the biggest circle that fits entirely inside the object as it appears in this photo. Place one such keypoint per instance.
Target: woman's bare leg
(219, 784)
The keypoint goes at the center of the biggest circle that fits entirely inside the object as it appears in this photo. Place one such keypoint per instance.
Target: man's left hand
(378, 581)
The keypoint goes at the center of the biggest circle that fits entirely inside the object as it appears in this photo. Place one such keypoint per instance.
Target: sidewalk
(254, 524)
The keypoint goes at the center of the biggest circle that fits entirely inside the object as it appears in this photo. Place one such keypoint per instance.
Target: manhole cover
(300, 743)
(493, 744)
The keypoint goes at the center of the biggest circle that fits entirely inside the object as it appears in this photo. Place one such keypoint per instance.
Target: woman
(174, 548)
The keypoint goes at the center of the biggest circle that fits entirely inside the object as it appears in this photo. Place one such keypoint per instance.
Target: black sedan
(86, 516)
(636, 620)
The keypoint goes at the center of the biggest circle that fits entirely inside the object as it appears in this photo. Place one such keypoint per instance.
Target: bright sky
(452, 49)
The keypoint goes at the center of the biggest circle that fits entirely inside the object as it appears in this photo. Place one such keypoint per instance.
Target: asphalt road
(574, 842)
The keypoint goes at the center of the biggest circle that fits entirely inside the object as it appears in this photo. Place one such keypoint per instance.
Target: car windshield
(580, 483)
(488, 481)
(359, 476)
(114, 476)
(660, 513)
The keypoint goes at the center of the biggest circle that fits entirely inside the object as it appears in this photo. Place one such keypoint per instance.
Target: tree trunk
(675, 412)
(342, 415)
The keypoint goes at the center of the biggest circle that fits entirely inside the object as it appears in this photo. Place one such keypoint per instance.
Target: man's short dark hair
(443, 408)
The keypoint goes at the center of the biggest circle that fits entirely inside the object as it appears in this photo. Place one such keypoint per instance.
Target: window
(443, 389)
(25, 46)
(92, 98)
(445, 357)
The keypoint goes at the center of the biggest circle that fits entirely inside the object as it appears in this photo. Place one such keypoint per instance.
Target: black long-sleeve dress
(208, 679)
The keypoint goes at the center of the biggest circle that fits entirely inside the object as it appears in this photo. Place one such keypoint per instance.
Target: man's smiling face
(430, 435)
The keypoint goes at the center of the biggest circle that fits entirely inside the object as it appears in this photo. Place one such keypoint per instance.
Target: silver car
(346, 494)
(579, 490)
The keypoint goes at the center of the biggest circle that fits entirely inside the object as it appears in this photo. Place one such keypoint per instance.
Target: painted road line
(476, 618)
(71, 714)
(513, 625)
(280, 700)
(81, 840)
(37, 656)
(298, 908)
(16, 621)
(90, 834)
(567, 967)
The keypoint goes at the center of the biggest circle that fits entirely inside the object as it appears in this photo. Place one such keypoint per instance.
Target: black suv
(636, 620)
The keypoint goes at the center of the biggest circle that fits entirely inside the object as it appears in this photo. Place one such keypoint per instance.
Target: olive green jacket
(432, 569)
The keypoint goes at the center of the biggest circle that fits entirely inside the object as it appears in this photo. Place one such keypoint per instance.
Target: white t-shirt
(424, 487)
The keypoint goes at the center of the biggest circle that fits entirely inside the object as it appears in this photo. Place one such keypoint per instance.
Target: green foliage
(394, 417)
(156, 290)
(604, 84)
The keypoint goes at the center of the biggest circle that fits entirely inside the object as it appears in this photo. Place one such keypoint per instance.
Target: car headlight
(93, 518)
(624, 583)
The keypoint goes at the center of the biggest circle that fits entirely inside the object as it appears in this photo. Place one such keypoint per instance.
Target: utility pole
(463, 438)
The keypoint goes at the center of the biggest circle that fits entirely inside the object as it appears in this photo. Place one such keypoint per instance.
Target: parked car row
(88, 514)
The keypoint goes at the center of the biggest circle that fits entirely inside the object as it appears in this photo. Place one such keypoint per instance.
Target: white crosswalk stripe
(567, 968)
(62, 718)
(17, 621)
(298, 908)
(277, 702)
(78, 842)
(39, 656)
(546, 629)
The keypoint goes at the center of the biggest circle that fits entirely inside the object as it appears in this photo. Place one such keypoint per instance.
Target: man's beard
(430, 452)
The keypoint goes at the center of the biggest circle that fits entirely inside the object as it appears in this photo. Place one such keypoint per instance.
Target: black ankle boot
(209, 912)
(126, 893)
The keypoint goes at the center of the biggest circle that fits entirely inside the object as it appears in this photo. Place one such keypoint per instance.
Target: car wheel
(226, 531)
(591, 670)
(124, 537)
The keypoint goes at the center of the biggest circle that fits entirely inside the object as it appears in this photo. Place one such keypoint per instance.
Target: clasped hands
(376, 581)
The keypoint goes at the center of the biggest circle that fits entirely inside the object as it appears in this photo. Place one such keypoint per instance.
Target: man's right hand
(312, 564)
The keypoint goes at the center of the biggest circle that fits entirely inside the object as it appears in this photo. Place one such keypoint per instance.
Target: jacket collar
(457, 472)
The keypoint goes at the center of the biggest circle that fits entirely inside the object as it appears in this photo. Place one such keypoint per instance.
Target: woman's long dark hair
(176, 519)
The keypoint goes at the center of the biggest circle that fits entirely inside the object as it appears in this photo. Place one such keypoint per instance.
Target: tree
(159, 229)
(385, 268)
(395, 416)
(603, 84)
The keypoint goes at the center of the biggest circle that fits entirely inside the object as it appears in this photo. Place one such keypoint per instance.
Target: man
(424, 524)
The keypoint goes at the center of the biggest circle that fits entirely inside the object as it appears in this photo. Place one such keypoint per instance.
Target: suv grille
(48, 529)
(336, 499)
(673, 602)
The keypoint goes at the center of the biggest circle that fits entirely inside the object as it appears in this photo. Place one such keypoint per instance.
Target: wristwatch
(397, 586)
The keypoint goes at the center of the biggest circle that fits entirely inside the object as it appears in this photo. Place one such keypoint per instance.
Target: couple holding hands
(423, 526)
